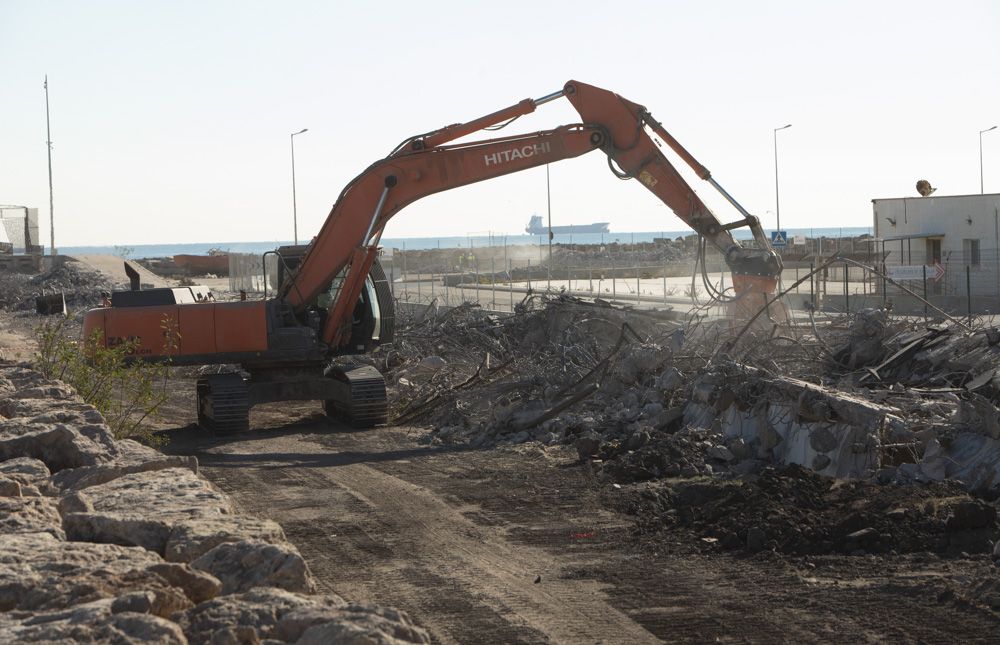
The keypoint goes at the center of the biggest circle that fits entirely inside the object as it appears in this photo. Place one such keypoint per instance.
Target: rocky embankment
(112, 541)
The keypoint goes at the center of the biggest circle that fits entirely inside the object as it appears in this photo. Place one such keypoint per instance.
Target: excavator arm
(347, 243)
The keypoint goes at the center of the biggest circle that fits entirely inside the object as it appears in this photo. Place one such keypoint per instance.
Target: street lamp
(777, 207)
(981, 157)
(295, 213)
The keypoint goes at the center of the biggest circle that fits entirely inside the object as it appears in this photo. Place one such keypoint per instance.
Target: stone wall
(112, 541)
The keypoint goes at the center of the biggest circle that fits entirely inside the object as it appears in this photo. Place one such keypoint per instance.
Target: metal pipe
(378, 211)
(550, 97)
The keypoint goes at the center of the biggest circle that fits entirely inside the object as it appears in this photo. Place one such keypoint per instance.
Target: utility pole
(48, 144)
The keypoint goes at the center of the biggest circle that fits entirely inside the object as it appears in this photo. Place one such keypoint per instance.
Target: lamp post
(295, 212)
(777, 207)
(981, 157)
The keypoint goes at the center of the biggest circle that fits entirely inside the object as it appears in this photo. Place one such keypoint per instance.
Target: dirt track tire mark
(465, 581)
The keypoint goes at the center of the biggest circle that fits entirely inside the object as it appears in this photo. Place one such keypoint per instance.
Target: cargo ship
(537, 227)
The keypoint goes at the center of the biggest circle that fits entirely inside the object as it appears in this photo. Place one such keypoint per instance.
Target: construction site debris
(795, 440)
(68, 282)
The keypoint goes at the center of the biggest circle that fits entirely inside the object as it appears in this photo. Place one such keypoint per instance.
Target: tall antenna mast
(48, 144)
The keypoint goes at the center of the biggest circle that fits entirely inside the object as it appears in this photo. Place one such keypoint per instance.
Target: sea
(140, 251)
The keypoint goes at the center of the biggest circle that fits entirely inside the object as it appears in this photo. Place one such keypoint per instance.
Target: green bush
(126, 393)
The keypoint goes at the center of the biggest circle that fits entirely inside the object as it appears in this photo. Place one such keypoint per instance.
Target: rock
(820, 462)
(198, 586)
(520, 437)
(866, 534)
(638, 439)
(822, 440)
(39, 572)
(670, 379)
(971, 515)
(279, 616)
(189, 540)
(256, 613)
(756, 539)
(26, 471)
(934, 463)
(240, 566)
(140, 602)
(133, 457)
(432, 363)
(58, 446)
(93, 622)
(587, 445)
(721, 453)
(142, 508)
(9, 487)
(355, 623)
(75, 503)
(30, 515)
(738, 448)
(652, 410)
(669, 416)
(637, 360)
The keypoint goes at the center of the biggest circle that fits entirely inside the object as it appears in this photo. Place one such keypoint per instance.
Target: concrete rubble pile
(865, 397)
(81, 286)
(112, 541)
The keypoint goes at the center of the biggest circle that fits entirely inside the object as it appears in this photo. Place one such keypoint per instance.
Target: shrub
(126, 393)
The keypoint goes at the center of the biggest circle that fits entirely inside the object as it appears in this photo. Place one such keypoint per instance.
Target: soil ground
(522, 544)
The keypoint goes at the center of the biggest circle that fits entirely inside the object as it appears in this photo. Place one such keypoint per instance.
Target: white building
(954, 231)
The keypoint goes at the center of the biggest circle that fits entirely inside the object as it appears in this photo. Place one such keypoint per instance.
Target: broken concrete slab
(791, 421)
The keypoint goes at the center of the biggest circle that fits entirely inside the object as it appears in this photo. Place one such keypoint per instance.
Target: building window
(971, 250)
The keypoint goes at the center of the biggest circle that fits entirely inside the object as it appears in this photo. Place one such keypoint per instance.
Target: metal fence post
(968, 290)
(925, 291)
(664, 284)
(847, 302)
(528, 273)
(493, 281)
(812, 284)
(614, 280)
(510, 277)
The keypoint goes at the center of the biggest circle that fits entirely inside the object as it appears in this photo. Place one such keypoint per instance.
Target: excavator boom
(347, 243)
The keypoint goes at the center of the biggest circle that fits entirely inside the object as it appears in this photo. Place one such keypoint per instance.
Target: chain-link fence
(855, 278)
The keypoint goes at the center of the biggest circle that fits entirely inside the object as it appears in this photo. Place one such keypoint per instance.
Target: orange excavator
(334, 300)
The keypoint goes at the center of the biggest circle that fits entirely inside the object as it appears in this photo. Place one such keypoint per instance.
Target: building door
(933, 250)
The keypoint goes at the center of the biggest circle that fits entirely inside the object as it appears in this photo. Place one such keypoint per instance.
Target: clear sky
(171, 120)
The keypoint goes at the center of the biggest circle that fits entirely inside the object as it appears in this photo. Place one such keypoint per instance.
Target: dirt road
(520, 544)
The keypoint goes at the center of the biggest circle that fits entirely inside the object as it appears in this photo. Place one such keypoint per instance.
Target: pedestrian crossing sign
(779, 238)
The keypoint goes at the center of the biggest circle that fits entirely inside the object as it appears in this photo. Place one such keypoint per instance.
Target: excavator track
(361, 398)
(223, 403)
